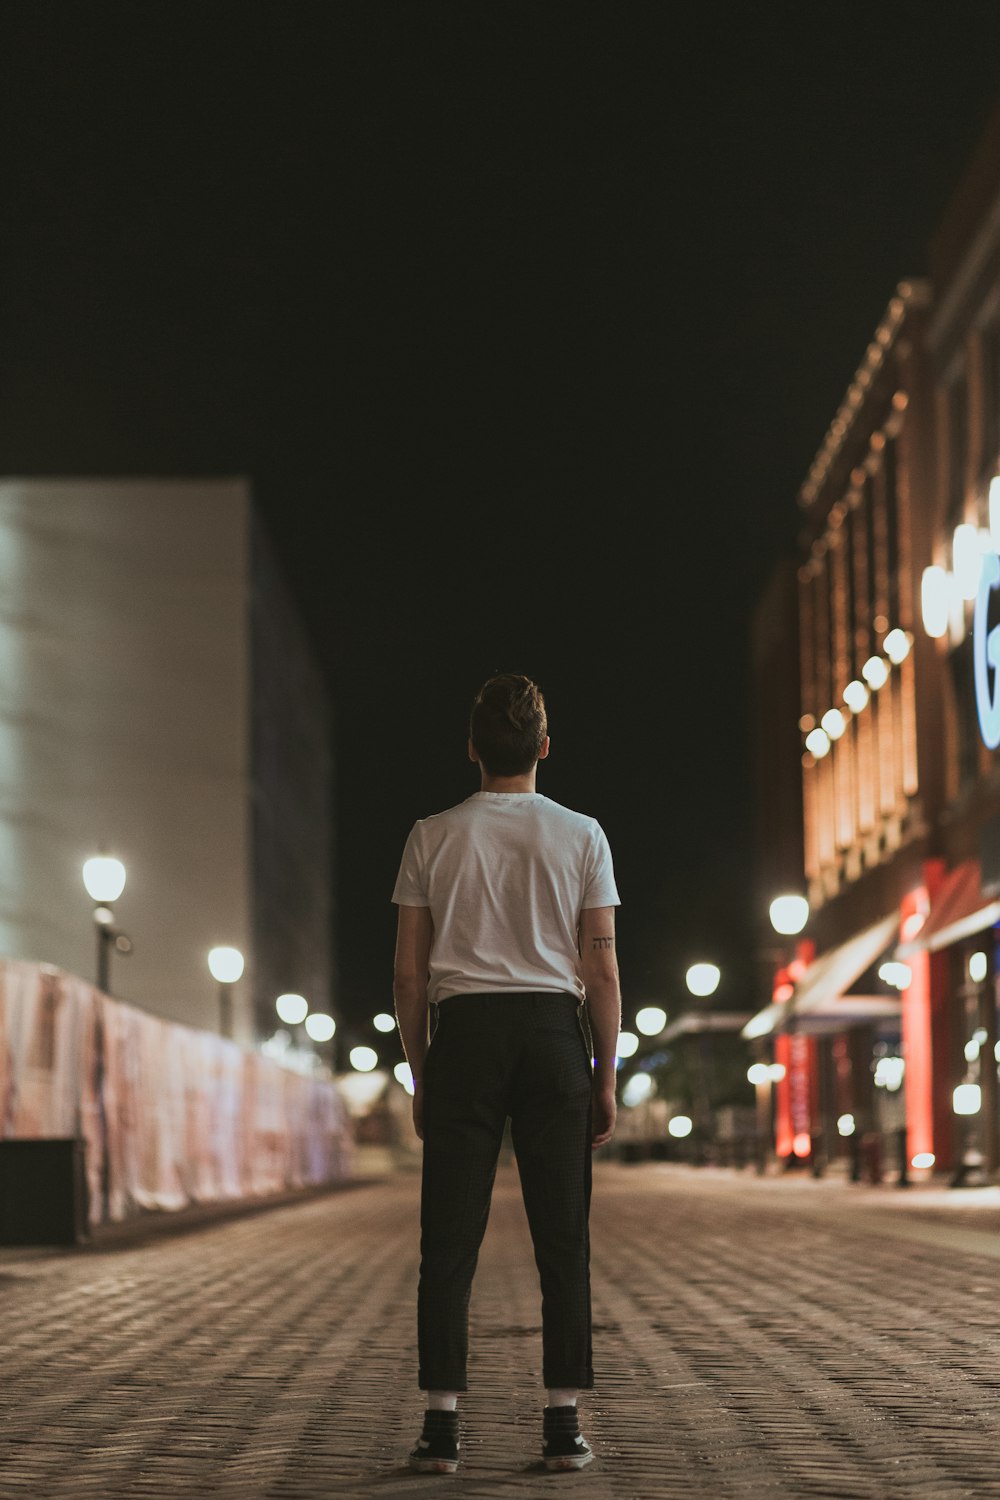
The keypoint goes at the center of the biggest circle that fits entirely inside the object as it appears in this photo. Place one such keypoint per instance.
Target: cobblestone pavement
(753, 1336)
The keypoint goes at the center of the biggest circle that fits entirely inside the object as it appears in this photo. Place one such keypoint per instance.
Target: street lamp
(104, 879)
(226, 967)
(764, 1076)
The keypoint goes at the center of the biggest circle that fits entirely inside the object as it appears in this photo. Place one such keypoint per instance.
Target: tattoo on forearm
(603, 942)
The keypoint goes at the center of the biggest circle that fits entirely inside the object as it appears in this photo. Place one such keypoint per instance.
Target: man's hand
(603, 1116)
(418, 1108)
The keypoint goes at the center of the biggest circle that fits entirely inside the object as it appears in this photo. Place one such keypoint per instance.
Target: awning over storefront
(694, 1022)
(819, 1003)
(958, 910)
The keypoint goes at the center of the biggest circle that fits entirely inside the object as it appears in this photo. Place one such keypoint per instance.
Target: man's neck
(509, 784)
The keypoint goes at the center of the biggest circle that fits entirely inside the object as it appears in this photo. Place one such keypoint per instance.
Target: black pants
(521, 1055)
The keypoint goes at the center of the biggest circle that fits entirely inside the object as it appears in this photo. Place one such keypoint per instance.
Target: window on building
(892, 528)
(958, 447)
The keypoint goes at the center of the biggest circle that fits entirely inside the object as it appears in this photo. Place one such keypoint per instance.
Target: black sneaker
(437, 1447)
(563, 1445)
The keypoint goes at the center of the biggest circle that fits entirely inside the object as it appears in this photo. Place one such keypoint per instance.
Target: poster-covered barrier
(169, 1116)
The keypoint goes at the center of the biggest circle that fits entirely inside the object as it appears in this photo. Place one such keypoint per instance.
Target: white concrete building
(152, 666)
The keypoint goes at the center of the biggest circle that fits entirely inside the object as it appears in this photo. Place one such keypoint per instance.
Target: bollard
(903, 1180)
(871, 1148)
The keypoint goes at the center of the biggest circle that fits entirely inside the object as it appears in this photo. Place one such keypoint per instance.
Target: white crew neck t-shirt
(506, 876)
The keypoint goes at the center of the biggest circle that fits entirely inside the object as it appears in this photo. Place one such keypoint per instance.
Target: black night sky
(525, 320)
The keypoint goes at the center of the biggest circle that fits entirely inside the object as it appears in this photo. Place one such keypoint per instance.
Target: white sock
(442, 1400)
(563, 1398)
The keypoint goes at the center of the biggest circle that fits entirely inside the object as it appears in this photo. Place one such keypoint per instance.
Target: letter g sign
(986, 648)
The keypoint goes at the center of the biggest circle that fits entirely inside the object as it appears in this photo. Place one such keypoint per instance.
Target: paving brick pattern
(753, 1337)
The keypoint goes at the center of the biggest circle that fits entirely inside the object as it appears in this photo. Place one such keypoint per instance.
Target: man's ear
(543, 752)
(472, 753)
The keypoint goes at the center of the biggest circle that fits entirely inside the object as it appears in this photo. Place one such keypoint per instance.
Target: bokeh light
(628, 1043)
(703, 979)
(320, 1026)
(292, 1009)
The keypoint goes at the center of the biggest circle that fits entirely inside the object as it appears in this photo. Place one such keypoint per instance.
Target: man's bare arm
(414, 932)
(599, 972)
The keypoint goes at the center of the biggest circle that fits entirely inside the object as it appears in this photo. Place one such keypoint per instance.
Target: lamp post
(104, 880)
(971, 1168)
(702, 980)
(764, 1076)
(788, 913)
(226, 967)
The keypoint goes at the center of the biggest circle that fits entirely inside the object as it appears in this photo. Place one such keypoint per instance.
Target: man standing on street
(506, 927)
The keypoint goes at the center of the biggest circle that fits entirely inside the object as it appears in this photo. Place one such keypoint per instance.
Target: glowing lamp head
(292, 1009)
(896, 646)
(363, 1059)
(818, 743)
(628, 1044)
(651, 1020)
(789, 914)
(225, 964)
(967, 1099)
(679, 1126)
(935, 600)
(104, 878)
(875, 672)
(403, 1074)
(856, 696)
(978, 967)
(703, 979)
(758, 1073)
(320, 1026)
(833, 723)
(384, 1022)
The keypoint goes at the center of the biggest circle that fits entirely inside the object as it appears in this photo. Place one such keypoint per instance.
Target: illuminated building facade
(160, 702)
(885, 1015)
(863, 744)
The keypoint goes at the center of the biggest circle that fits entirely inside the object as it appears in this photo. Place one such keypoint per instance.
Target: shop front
(957, 944)
(836, 1042)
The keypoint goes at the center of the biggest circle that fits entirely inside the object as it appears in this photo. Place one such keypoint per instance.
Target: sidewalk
(930, 1211)
(777, 1337)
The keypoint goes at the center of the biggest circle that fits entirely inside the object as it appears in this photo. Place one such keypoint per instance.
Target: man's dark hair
(508, 724)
